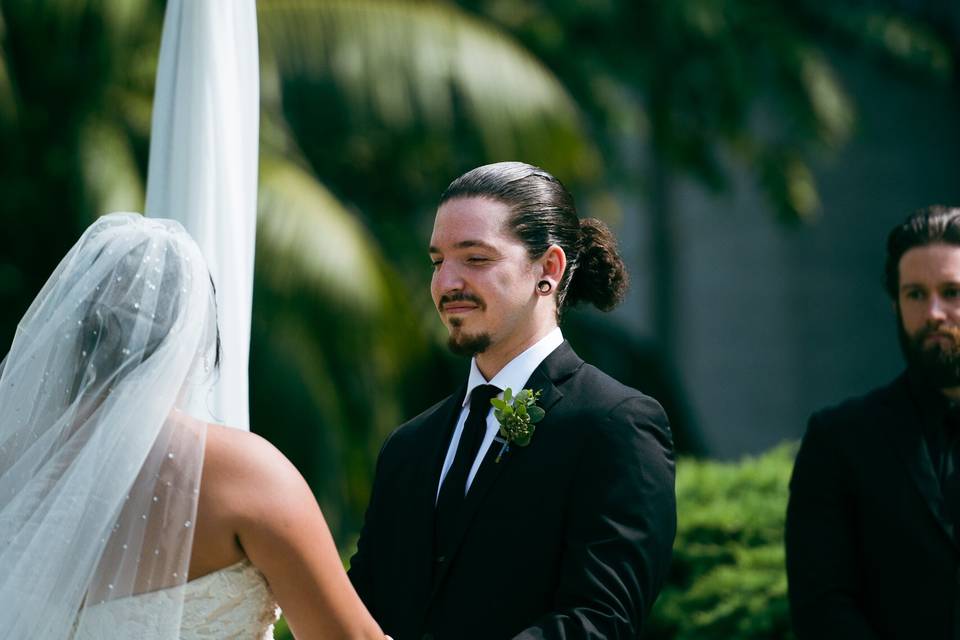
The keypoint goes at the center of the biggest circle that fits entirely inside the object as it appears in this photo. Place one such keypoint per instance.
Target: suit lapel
(433, 446)
(437, 435)
(907, 439)
(556, 367)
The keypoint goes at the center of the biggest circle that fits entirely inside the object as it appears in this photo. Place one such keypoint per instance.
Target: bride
(120, 515)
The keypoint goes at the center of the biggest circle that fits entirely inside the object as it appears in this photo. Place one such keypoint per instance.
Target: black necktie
(454, 486)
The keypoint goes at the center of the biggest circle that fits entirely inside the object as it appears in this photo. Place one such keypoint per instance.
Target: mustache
(951, 330)
(460, 297)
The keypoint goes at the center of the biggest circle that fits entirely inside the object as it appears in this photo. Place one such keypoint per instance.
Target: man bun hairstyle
(543, 214)
(601, 275)
(935, 224)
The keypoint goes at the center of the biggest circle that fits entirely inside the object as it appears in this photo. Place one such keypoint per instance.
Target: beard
(938, 364)
(468, 345)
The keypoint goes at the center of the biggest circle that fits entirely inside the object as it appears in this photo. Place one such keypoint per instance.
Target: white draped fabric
(203, 167)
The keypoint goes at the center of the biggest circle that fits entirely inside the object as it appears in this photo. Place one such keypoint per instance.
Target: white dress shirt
(513, 376)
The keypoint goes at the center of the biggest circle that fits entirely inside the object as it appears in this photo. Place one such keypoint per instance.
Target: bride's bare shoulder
(244, 468)
(227, 444)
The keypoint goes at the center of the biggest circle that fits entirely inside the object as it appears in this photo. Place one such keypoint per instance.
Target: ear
(553, 264)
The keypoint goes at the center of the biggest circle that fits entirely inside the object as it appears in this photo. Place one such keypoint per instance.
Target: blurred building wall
(777, 321)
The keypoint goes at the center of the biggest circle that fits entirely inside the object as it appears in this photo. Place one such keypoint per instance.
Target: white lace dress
(232, 603)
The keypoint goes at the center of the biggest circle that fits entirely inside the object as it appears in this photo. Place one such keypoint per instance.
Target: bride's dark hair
(103, 334)
(543, 214)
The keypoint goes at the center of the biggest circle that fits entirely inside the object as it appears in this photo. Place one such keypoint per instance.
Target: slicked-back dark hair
(543, 214)
(936, 224)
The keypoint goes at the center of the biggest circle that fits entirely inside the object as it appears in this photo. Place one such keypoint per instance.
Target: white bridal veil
(99, 468)
(100, 460)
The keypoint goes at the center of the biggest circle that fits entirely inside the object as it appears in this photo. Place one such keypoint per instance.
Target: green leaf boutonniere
(517, 417)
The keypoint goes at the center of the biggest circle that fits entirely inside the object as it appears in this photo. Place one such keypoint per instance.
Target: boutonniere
(517, 417)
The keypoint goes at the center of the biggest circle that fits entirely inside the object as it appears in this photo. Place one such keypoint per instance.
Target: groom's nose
(447, 278)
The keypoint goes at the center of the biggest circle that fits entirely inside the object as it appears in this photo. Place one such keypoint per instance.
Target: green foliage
(517, 416)
(385, 65)
(704, 81)
(728, 580)
(281, 631)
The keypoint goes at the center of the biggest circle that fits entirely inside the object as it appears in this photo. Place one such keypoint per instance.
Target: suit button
(440, 560)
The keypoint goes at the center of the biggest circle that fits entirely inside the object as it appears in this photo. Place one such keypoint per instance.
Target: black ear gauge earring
(544, 286)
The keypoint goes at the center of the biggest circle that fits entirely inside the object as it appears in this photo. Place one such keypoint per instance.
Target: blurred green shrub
(728, 580)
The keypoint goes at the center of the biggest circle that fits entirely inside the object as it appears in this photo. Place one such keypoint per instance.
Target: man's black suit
(870, 553)
(569, 537)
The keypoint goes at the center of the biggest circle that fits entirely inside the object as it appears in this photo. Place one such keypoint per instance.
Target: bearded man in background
(872, 522)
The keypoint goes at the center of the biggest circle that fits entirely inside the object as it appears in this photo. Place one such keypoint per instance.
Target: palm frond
(309, 242)
(408, 63)
(329, 316)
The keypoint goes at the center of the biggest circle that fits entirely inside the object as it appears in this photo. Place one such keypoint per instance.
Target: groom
(478, 532)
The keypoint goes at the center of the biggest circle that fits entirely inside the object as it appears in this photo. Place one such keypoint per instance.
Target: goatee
(464, 345)
(938, 364)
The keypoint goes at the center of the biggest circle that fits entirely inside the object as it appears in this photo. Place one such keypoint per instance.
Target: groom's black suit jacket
(870, 553)
(569, 537)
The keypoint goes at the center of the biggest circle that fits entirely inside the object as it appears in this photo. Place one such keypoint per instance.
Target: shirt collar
(516, 372)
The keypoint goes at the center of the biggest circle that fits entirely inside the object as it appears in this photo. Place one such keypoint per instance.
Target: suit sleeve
(361, 570)
(621, 527)
(824, 580)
